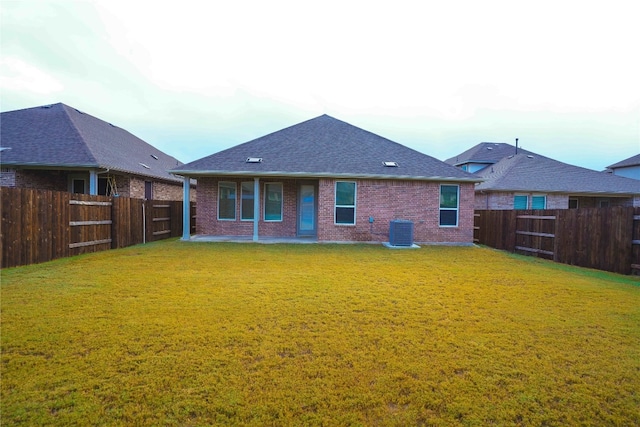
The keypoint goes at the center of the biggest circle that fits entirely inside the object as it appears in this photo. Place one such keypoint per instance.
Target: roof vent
(253, 160)
(144, 166)
(489, 148)
(47, 106)
(154, 156)
(530, 156)
(390, 164)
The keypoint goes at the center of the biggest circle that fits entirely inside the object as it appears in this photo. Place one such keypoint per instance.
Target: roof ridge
(79, 132)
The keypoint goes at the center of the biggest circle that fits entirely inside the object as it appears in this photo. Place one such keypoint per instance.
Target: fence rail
(604, 238)
(40, 225)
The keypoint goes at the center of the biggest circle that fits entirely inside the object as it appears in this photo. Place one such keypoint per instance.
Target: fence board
(40, 225)
(600, 238)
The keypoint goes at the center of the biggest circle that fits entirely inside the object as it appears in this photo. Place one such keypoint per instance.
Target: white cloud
(17, 75)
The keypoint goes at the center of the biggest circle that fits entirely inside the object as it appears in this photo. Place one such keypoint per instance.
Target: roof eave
(571, 193)
(70, 167)
(270, 174)
(40, 165)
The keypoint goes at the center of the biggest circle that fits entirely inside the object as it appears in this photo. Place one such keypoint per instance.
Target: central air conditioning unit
(401, 233)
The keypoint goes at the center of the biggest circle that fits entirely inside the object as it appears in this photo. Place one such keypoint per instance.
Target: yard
(186, 334)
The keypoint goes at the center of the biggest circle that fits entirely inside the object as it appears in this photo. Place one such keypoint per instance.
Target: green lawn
(187, 334)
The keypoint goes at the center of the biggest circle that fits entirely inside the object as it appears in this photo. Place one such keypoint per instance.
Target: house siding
(383, 200)
(632, 172)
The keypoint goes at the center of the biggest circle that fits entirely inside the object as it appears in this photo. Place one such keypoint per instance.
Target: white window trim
(242, 201)
(264, 215)
(457, 209)
(577, 202)
(76, 176)
(235, 214)
(354, 206)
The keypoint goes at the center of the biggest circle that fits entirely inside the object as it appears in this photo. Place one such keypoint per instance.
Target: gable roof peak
(324, 147)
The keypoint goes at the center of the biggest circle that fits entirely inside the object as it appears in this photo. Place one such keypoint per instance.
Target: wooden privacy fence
(601, 238)
(40, 225)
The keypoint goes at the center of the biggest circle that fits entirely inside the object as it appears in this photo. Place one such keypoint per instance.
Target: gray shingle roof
(631, 161)
(535, 173)
(59, 136)
(324, 147)
(485, 152)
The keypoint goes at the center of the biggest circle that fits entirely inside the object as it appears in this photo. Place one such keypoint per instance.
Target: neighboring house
(629, 168)
(484, 154)
(330, 181)
(57, 147)
(530, 181)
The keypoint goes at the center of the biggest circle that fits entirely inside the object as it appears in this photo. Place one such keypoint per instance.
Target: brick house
(327, 180)
(518, 179)
(57, 147)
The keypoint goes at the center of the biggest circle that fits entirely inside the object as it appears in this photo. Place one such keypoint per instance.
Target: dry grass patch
(175, 333)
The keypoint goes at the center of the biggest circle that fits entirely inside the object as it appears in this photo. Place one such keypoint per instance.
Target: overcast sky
(195, 77)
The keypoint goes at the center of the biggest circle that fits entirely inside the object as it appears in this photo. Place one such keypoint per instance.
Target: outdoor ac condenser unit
(401, 233)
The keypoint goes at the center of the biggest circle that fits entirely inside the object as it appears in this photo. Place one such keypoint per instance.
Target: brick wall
(42, 179)
(59, 181)
(504, 201)
(7, 177)
(384, 200)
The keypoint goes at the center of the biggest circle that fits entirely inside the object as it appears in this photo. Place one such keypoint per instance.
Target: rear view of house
(57, 147)
(327, 180)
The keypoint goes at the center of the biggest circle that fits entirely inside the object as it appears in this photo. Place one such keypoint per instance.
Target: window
(573, 203)
(148, 190)
(604, 203)
(273, 202)
(345, 207)
(538, 202)
(449, 205)
(78, 186)
(247, 201)
(102, 186)
(520, 202)
(227, 200)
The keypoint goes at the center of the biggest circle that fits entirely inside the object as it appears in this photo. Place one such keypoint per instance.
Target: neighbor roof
(324, 147)
(535, 173)
(59, 136)
(631, 161)
(485, 152)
